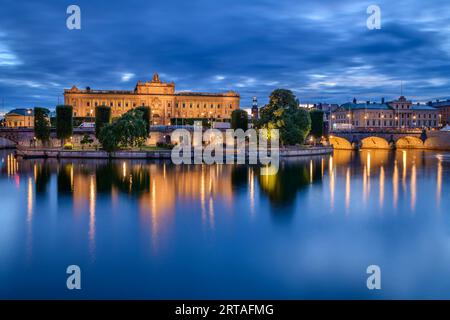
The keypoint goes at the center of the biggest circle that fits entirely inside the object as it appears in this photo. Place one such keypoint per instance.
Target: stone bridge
(352, 140)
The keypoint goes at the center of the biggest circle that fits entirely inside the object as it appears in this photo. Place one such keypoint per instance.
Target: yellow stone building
(161, 97)
(20, 118)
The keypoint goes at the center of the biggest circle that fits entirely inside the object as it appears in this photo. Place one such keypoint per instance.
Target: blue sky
(322, 50)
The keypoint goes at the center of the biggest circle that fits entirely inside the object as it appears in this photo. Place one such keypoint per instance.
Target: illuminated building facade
(161, 97)
(20, 118)
(400, 113)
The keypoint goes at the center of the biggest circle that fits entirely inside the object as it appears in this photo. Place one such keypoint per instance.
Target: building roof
(21, 112)
(368, 106)
(418, 107)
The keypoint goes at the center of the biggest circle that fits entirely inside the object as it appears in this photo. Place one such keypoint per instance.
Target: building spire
(156, 77)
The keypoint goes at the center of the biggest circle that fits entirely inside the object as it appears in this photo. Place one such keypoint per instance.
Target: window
(184, 105)
(88, 104)
(96, 104)
(111, 104)
(176, 105)
(212, 106)
(119, 104)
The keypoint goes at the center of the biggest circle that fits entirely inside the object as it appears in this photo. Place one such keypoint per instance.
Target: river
(152, 230)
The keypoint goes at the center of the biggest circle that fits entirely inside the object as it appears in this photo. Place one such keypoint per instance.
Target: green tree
(102, 117)
(239, 119)
(127, 131)
(146, 116)
(316, 123)
(86, 140)
(283, 113)
(64, 124)
(42, 124)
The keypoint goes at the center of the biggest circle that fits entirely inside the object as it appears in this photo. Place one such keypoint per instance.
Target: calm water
(147, 229)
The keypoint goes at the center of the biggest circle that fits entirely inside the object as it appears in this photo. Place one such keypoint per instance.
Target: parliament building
(164, 102)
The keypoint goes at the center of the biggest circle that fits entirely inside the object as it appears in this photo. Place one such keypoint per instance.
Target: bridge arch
(409, 142)
(340, 143)
(374, 143)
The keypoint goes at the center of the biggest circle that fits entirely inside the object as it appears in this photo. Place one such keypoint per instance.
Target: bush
(64, 125)
(239, 119)
(316, 123)
(127, 131)
(102, 118)
(146, 116)
(41, 124)
(283, 113)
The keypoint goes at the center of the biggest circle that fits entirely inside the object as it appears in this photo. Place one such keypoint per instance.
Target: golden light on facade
(413, 186)
(347, 189)
(439, 180)
(395, 183)
(381, 191)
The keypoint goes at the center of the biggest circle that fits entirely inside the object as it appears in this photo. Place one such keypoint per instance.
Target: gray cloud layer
(321, 50)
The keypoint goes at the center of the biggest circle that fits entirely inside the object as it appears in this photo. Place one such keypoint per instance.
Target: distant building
(20, 118)
(164, 102)
(444, 110)
(255, 110)
(400, 113)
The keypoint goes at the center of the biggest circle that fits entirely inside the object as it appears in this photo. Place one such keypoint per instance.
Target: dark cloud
(321, 50)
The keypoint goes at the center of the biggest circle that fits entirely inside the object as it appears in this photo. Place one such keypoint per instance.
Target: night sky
(322, 50)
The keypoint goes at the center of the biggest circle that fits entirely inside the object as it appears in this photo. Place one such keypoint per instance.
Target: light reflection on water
(142, 229)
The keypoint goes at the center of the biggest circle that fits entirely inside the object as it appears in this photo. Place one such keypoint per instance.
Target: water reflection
(158, 185)
(164, 221)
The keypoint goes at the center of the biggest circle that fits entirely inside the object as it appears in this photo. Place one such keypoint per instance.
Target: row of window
(402, 116)
(127, 104)
(390, 123)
